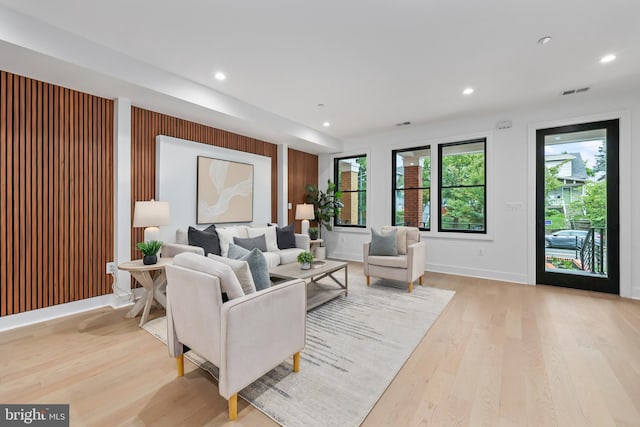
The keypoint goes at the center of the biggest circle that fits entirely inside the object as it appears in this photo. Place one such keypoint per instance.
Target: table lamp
(151, 214)
(305, 213)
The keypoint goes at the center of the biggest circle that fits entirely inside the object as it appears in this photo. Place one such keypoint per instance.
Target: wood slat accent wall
(56, 194)
(303, 170)
(146, 125)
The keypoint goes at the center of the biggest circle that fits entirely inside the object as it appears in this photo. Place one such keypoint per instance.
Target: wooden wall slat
(56, 194)
(303, 170)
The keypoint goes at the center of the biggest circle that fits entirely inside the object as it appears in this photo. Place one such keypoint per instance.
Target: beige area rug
(355, 347)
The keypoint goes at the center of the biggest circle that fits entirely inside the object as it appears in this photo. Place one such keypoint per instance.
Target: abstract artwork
(225, 191)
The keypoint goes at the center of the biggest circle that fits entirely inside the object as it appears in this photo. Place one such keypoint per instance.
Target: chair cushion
(229, 283)
(249, 243)
(383, 244)
(270, 236)
(398, 261)
(287, 256)
(241, 270)
(286, 237)
(207, 239)
(257, 264)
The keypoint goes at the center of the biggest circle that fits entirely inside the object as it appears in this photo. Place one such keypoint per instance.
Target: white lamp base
(304, 227)
(151, 233)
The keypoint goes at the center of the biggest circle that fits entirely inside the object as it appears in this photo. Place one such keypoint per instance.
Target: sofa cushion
(273, 259)
(206, 239)
(398, 261)
(269, 236)
(287, 256)
(383, 244)
(229, 283)
(258, 242)
(241, 270)
(226, 235)
(257, 264)
(286, 237)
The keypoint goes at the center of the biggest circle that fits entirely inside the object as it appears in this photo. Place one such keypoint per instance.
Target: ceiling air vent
(403, 124)
(572, 91)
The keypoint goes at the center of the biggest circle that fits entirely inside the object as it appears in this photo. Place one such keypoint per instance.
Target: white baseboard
(502, 276)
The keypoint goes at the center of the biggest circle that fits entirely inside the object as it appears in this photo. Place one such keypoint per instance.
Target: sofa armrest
(169, 250)
(416, 258)
(260, 331)
(302, 241)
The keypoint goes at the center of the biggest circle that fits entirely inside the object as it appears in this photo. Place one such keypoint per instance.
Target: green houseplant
(313, 233)
(305, 258)
(149, 249)
(326, 204)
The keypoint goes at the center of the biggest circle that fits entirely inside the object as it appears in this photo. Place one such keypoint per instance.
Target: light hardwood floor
(501, 354)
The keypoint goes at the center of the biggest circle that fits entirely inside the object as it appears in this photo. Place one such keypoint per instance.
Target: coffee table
(317, 293)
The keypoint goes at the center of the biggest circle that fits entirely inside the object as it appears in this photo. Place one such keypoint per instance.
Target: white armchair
(407, 266)
(245, 337)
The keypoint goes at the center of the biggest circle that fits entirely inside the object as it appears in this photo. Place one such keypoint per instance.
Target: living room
(126, 101)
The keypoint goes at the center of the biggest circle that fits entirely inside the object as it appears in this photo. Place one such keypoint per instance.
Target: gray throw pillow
(383, 244)
(259, 242)
(257, 264)
(206, 239)
(286, 237)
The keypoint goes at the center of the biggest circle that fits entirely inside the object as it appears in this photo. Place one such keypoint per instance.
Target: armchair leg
(296, 362)
(420, 280)
(410, 287)
(368, 280)
(180, 365)
(233, 407)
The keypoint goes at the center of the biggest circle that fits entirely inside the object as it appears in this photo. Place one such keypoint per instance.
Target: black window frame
(394, 187)
(440, 187)
(336, 171)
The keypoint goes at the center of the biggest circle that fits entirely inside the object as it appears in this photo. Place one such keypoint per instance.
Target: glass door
(577, 220)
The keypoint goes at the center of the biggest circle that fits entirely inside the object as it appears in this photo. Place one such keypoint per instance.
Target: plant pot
(313, 236)
(149, 259)
(305, 266)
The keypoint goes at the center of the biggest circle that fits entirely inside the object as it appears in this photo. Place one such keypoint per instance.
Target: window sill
(353, 230)
(456, 236)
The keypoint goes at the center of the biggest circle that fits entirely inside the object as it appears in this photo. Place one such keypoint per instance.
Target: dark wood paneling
(56, 194)
(146, 125)
(303, 170)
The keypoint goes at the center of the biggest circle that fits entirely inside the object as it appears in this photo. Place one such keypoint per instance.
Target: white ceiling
(373, 63)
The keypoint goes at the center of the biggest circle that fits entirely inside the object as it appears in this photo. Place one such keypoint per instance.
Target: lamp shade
(151, 214)
(304, 211)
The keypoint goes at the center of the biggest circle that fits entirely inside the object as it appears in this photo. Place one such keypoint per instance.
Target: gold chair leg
(296, 362)
(233, 407)
(368, 280)
(410, 287)
(420, 280)
(180, 365)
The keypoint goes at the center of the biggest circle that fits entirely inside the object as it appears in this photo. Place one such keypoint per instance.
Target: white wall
(176, 180)
(508, 252)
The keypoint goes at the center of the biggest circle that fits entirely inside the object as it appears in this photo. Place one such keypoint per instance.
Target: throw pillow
(206, 239)
(249, 243)
(241, 270)
(401, 237)
(286, 237)
(226, 236)
(383, 244)
(229, 283)
(269, 235)
(257, 264)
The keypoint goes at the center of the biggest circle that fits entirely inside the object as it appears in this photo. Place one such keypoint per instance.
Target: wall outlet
(111, 268)
(481, 251)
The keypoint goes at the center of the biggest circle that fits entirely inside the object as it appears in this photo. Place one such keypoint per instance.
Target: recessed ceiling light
(544, 40)
(608, 58)
(220, 75)
(468, 91)
(326, 124)
(321, 105)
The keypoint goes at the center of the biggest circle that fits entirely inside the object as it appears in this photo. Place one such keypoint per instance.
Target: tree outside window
(412, 187)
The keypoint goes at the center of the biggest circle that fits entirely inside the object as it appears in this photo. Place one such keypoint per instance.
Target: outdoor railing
(592, 251)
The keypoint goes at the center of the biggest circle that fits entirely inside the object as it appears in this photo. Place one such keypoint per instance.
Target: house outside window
(412, 187)
(462, 187)
(350, 176)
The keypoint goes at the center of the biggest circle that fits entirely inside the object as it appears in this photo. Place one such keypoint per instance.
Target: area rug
(355, 347)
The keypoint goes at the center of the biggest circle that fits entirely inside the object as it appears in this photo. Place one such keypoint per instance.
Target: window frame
(482, 140)
(394, 187)
(336, 171)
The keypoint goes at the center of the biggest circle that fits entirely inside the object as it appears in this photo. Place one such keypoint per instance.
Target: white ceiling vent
(572, 91)
(403, 124)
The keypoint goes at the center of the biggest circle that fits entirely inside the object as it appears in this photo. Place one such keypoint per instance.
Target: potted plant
(326, 204)
(313, 233)
(150, 249)
(305, 258)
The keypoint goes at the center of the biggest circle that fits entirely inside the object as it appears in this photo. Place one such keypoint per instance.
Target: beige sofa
(274, 255)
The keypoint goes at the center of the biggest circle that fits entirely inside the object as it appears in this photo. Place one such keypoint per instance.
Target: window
(350, 176)
(462, 193)
(412, 187)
